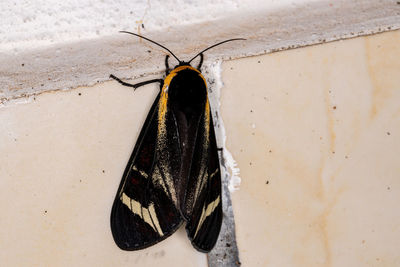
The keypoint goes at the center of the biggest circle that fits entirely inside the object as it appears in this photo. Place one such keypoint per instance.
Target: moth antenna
(147, 39)
(220, 43)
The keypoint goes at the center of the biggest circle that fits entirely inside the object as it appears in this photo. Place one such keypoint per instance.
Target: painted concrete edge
(226, 252)
(85, 63)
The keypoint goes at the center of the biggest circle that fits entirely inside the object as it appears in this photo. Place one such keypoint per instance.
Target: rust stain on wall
(380, 57)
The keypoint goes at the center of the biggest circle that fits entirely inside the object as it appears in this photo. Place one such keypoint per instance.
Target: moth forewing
(173, 175)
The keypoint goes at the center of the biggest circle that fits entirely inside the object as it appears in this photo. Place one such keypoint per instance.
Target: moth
(173, 175)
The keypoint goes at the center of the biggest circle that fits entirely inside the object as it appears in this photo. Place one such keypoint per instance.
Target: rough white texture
(215, 84)
(86, 46)
(32, 24)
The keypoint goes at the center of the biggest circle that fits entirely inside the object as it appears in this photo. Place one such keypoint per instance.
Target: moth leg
(166, 65)
(136, 85)
(201, 61)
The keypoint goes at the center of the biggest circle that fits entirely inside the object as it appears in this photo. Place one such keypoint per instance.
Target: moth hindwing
(173, 175)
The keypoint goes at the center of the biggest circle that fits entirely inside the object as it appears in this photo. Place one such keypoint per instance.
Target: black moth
(173, 175)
